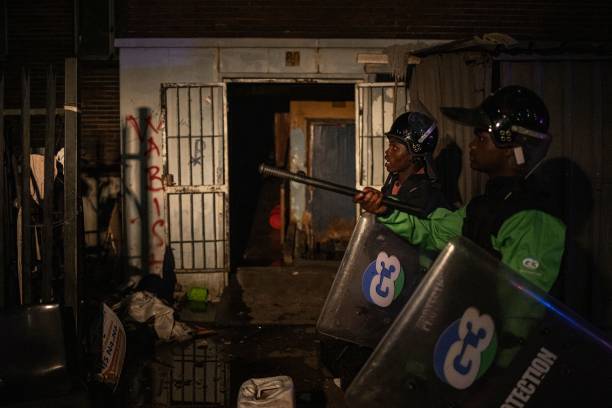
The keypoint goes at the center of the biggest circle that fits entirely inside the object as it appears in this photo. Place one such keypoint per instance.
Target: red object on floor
(275, 217)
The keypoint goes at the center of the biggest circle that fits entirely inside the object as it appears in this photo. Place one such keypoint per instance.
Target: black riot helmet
(417, 130)
(515, 117)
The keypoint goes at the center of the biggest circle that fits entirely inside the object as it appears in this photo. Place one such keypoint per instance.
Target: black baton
(336, 188)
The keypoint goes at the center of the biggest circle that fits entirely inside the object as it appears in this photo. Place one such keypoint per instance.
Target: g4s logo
(383, 280)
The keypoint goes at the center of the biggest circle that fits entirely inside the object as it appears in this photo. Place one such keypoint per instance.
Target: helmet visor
(474, 117)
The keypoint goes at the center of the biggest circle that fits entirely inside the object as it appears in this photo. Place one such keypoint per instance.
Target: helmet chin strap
(431, 172)
(520, 159)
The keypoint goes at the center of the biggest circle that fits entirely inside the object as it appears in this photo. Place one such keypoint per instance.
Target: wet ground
(264, 326)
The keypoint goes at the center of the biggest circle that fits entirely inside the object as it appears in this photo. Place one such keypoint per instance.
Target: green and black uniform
(508, 221)
(511, 222)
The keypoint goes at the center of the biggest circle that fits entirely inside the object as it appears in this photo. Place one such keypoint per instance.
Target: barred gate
(196, 187)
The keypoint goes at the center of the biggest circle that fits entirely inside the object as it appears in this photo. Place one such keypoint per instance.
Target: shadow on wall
(140, 161)
(570, 193)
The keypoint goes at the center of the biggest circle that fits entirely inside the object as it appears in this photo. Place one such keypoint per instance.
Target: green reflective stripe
(432, 233)
(531, 242)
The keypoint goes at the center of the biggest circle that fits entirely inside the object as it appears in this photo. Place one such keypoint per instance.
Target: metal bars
(378, 104)
(195, 151)
(196, 232)
(195, 148)
(26, 227)
(71, 184)
(48, 189)
(3, 204)
(19, 236)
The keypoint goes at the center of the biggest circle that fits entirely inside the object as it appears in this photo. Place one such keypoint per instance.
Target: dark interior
(251, 109)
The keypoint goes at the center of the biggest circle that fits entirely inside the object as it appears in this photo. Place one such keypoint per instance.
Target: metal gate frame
(370, 147)
(218, 190)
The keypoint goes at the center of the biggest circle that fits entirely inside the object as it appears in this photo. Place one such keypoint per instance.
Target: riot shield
(476, 334)
(377, 275)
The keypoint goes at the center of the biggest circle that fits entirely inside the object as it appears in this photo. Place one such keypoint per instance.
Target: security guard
(510, 220)
(408, 159)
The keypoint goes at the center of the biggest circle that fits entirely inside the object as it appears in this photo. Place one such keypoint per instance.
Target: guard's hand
(370, 200)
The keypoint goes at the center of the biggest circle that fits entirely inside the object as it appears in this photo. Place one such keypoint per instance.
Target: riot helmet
(417, 131)
(515, 117)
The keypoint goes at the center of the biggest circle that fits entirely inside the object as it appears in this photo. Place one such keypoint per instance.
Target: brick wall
(435, 19)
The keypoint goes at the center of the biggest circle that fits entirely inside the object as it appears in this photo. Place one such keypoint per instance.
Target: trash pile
(152, 299)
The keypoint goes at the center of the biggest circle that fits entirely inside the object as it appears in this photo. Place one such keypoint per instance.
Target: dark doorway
(251, 111)
(333, 159)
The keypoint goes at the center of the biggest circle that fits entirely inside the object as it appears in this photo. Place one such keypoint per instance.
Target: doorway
(252, 109)
(332, 158)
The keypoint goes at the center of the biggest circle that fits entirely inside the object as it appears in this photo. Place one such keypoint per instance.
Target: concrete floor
(265, 326)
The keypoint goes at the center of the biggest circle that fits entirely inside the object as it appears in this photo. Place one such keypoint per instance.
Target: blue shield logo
(465, 350)
(383, 280)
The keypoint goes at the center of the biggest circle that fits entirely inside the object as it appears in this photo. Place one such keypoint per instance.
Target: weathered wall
(142, 72)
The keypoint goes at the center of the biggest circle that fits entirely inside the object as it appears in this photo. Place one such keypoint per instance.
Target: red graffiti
(152, 147)
(160, 240)
(154, 183)
(153, 172)
(156, 203)
(131, 120)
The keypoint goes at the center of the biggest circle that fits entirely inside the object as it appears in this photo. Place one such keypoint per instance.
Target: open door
(376, 106)
(332, 158)
(196, 187)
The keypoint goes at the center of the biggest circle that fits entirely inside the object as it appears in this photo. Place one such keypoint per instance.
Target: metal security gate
(376, 105)
(196, 183)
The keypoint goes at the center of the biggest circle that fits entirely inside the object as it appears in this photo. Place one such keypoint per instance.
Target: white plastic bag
(144, 306)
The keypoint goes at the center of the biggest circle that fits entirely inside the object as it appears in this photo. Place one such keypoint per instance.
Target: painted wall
(142, 71)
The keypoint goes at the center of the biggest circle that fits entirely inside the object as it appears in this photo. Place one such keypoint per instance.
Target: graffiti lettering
(154, 181)
(156, 203)
(132, 121)
(152, 147)
(160, 240)
(153, 172)
(196, 158)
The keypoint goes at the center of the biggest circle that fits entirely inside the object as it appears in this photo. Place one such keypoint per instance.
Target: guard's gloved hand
(370, 200)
